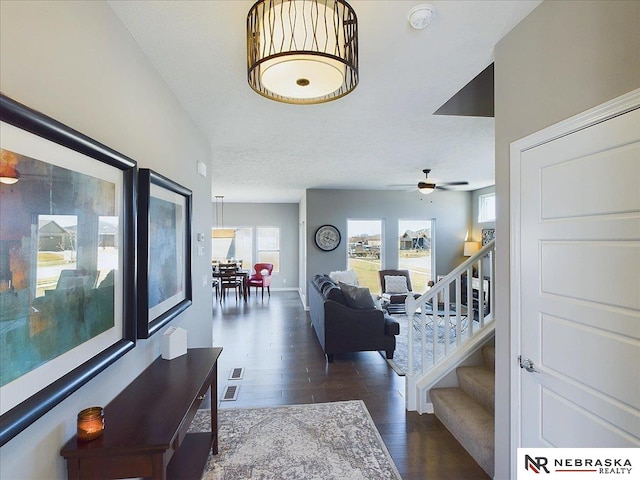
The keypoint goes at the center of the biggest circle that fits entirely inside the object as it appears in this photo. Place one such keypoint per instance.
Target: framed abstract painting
(164, 251)
(67, 253)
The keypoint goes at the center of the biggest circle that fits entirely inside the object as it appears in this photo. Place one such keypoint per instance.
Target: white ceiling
(383, 133)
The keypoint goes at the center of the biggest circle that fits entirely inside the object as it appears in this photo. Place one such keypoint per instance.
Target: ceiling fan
(427, 185)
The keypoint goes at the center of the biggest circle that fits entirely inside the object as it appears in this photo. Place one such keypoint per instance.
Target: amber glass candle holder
(90, 424)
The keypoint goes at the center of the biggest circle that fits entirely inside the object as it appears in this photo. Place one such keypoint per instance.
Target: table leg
(245, 287)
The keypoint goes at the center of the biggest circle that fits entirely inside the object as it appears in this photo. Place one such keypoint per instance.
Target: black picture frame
(63, 151)
(488, 234)
(164, 251)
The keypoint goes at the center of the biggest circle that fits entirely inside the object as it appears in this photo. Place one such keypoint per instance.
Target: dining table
(240, 272)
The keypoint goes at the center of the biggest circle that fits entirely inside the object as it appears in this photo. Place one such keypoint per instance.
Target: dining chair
(229, 279)
(215, 281)
(261, 277)
(395, 286)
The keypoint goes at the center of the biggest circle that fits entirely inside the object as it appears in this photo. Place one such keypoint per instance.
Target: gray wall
(562, 59)
(283, 215)
(75, 62)
(451, 211)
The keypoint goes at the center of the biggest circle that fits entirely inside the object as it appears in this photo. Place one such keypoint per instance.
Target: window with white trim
(268, 242)
(487, 208)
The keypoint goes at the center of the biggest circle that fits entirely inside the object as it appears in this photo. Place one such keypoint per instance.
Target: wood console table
(146, 424)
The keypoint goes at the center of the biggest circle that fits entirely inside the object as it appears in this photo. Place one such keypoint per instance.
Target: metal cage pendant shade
(302, 51)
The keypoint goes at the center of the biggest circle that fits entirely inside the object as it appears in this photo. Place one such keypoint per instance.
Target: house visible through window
(268, 240)
(364, 251)
(487, 208)
(415, 252)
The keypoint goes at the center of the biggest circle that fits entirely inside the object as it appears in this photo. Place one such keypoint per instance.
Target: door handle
(527, 364)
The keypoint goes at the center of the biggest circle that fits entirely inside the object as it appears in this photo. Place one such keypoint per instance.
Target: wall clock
(327, 238)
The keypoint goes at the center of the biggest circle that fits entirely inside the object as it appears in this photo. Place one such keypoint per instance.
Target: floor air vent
(230, 393)
(236, 374)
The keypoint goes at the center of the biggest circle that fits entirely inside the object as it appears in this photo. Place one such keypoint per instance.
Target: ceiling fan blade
(450, 184)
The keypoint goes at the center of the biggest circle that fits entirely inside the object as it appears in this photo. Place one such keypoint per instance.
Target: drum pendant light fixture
(302, 51)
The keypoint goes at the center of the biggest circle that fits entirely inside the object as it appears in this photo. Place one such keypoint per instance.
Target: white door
(576, 282)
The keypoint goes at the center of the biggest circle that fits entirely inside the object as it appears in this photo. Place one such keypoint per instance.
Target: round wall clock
(327, 238)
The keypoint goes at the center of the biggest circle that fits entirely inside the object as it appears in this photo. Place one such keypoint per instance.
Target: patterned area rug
(400, 361)
(320, 441)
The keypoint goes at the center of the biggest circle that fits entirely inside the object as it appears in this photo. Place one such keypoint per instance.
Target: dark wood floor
(283, 365)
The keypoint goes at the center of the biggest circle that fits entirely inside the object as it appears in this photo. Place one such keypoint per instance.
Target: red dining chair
(261, 277)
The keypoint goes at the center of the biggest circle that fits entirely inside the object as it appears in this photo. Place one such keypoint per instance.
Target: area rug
(320, 441)
(400, 361)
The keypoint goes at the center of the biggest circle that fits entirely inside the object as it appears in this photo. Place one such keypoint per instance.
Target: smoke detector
(421, 15)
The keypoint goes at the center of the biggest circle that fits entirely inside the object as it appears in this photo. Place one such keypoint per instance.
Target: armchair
(395, 286)
(261, 277)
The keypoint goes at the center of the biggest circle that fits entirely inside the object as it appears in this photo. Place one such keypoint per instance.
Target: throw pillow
(357, 297)
(395, 284)
(347, 276)
(335, 293)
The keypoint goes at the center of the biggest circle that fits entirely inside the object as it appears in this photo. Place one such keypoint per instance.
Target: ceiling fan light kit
(426, 187)
(302, 51)
(420, 16)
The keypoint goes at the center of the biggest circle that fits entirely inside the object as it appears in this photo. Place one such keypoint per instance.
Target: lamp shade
(470, 248)
(302, 51)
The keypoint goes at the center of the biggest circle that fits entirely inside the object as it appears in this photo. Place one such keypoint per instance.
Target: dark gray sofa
(342, 329)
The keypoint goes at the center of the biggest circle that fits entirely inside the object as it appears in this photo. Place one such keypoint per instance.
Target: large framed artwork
(67, 253)
(164, 251)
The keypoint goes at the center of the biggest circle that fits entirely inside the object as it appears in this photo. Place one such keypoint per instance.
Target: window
(415, 252)
(364, 252)
(487, 208)
(232, 243)
(268, 240)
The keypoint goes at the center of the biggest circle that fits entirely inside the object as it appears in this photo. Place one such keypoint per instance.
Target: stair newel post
(411, 392)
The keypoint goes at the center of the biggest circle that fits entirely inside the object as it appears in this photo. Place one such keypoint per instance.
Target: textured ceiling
(381, 134)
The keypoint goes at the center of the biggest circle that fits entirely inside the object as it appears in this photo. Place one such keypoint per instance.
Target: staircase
(456, 322)
(468, 410)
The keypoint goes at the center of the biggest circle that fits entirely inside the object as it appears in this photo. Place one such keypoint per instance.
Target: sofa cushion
(395, 284)
(345, 276)
(357, 297)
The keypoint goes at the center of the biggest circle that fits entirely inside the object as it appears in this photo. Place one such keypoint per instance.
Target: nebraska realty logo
(583, 463)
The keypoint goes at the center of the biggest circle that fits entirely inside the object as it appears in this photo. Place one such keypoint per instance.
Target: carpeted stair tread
(469, 423)
(489, 354)
(480, 384)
